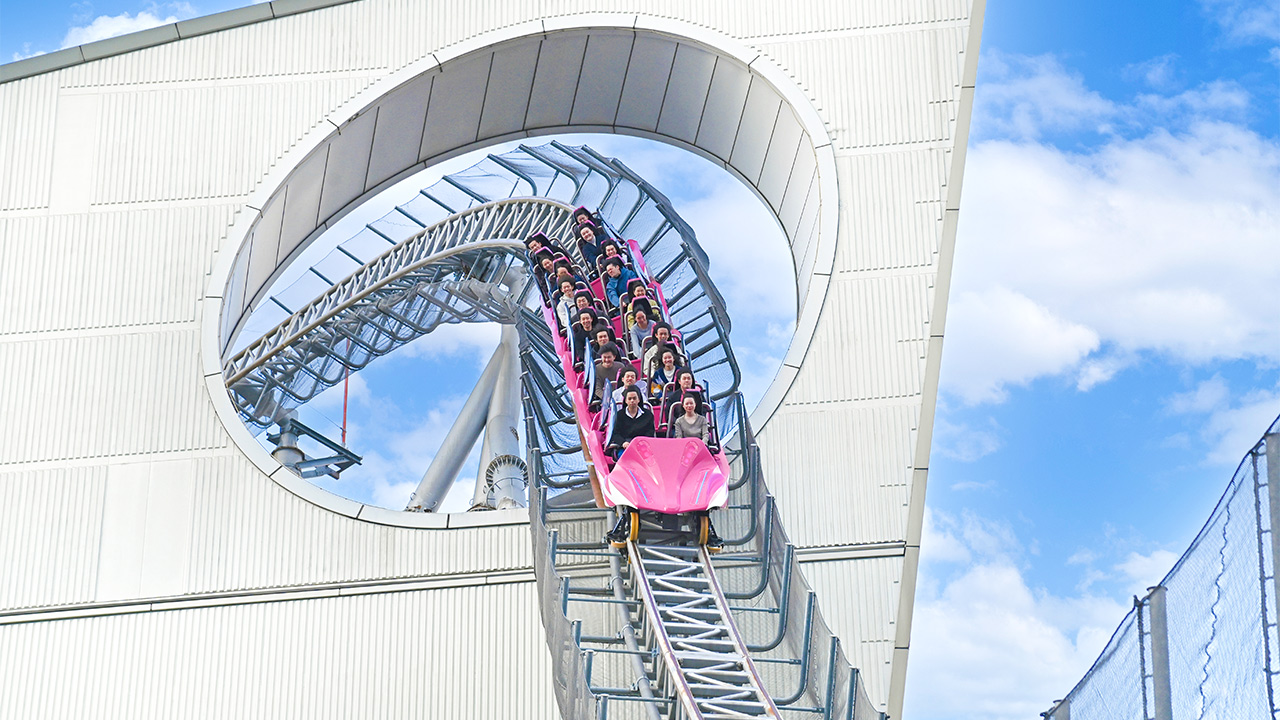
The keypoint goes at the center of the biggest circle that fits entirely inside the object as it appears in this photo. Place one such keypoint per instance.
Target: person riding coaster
(636, 470)
(633, 427)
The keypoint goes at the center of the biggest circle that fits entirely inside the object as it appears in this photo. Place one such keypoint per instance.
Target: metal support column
(287, 451)
(458, 443)
(1162, 688)
(501, 478)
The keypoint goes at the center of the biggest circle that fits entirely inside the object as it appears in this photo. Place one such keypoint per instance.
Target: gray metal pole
(501, 477)
(1161, 685)
(287, 452)
(458, 443)
(1273, 508)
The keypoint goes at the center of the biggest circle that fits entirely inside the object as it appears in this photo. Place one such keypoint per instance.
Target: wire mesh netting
(1215, 611)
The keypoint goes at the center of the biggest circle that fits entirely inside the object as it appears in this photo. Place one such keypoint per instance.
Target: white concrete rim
(276, 179)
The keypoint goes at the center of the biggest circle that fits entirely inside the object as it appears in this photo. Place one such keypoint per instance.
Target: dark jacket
(627, 428)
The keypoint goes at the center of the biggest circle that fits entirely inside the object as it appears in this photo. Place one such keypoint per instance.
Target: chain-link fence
(1202, 645)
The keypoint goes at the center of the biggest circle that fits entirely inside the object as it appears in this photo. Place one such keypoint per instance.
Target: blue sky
(1112, 343)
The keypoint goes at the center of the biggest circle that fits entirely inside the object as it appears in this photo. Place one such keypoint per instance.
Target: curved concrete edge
(350, 111)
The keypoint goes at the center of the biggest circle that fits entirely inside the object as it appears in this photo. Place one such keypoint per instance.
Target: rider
(607, 368)
(660, 338)
(616, 278)
(587, 318)
(627, 378)
(566, 304)
(635, 420)
(537, 241)
(691, 424)
(587, 244)
(640, 329)
(665, 373)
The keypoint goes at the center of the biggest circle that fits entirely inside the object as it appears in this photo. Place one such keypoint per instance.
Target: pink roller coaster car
(665, 475)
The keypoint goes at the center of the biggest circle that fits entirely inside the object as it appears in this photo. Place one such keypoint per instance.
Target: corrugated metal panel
(875, 346)
(907, 84)
(275, 48)
(467, 652)
(866, 627)
(208, 141)
(251, 533)
(26, 158)
(840, 471)
(753, 18)
(236, 530)
(53, 267)
(894, 218)
(102, 396)
(49, 539)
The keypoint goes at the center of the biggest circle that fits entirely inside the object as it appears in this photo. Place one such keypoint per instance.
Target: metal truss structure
(440, 275)
(692, 660)
(468, 267)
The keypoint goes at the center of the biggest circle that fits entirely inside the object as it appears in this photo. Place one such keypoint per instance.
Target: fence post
(1273, 509)
(1161, 686)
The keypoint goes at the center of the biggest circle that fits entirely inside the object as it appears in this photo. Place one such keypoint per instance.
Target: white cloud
(990, 645)
(1158, 72)
(1217, 98)
(1232, 424)
(25, 53)
(999, 337)
(1246, 19)
(1098, 370)
(1149, 246)
(1209, 395)
(966, 443)
(109, 26)
(1144, 571)
(1023, 97)
(477, 340)
(1232, 431)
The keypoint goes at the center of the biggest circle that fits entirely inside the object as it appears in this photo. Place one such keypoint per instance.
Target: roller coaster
(662, 626)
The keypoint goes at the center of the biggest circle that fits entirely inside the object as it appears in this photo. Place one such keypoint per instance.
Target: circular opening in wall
(376, 366)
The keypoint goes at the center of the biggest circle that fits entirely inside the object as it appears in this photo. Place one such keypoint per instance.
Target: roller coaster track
(665, 631)
(710, 666)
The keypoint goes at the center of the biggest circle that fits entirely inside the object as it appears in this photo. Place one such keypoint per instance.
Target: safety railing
(798, 657)
(1203, 642)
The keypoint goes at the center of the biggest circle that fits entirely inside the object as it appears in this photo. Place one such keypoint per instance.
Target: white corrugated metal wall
(120, 177)
(408, 654)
